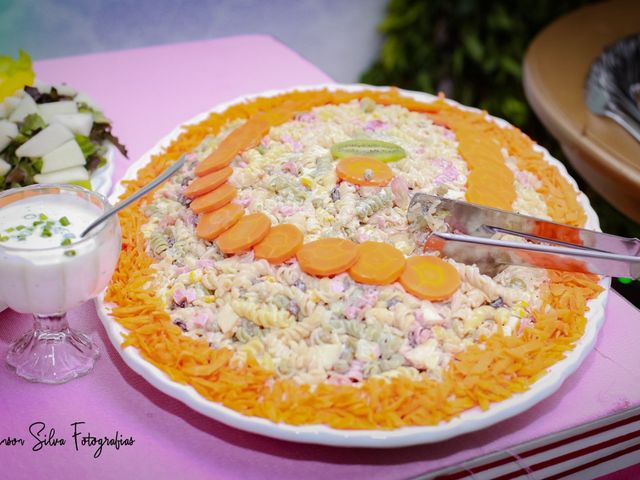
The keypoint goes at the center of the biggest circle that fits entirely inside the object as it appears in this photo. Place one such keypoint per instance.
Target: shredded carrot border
(490, 372)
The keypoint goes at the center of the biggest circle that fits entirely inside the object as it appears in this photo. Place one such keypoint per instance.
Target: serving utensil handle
(489, 253)
(480, 221)
(137, 195)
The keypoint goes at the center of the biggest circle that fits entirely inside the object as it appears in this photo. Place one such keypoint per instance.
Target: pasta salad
(259, 335)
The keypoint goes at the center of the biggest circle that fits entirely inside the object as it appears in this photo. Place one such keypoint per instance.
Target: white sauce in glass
(45, 221)
(35, 278)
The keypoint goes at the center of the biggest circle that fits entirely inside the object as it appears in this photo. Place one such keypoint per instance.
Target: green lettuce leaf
(37, 164)
(98, 116)
(32, 124)
(101, 131)
(87, 147)
(83, 183)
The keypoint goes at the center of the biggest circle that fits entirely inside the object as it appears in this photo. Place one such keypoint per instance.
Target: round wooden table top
(555, 72)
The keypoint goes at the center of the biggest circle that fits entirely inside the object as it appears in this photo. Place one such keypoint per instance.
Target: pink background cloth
(146, 93)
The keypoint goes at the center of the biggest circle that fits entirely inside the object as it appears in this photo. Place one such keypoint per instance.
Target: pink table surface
(147, 92)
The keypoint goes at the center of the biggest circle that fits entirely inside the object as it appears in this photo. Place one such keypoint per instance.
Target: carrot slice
(242, 138)
(438, 120)
(212, 224)
(215, 199)
(281, 243)
(499, 177)
(249, 230)
(379, 264)
(364, 171)
(327, 256)
(430, 278)
(281, 114)
(500, 195)
(221, 157)
(496, 199)
(201, 185)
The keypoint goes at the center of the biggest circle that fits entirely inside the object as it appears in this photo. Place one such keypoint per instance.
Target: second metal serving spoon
(136, 196)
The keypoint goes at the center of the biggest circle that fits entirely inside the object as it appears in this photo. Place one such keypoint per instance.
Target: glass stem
(52, 352)
(54, 323)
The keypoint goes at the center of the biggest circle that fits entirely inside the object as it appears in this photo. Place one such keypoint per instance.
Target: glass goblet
(48, 281)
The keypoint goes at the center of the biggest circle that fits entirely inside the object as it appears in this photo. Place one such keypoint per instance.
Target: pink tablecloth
(147, 92)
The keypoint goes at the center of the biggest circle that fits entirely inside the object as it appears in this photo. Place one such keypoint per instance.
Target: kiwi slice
(366, 147)
(83, 183)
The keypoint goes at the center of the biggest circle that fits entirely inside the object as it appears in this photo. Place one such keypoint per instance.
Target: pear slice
(68, 175)
(4, 167)
(49, 110)
(10, 104)
(87, 100)
(65, 156)
(45, 141)
(4, 141)
(8, 130)
(64, 89)
(42, 87)
(81, 122)
(27, 106)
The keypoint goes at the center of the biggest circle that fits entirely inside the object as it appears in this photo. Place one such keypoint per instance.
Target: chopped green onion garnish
(3, 238)
(10, 229)
(37, 222)
(66, 241)
(22, 238)
(46, 233)
(20, 227)
(42, 216)
(70, 253)
(64, 221)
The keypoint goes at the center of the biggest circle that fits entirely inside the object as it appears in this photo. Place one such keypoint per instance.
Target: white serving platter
(469, 421)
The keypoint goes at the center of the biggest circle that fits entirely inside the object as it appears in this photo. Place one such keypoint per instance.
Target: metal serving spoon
(136, 196)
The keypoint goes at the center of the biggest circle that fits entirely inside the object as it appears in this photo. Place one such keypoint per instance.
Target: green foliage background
(472, 50)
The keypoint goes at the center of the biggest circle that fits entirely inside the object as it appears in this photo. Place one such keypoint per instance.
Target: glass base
(52, 355)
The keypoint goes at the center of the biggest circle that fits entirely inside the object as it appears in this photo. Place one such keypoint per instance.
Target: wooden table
(555, 71)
